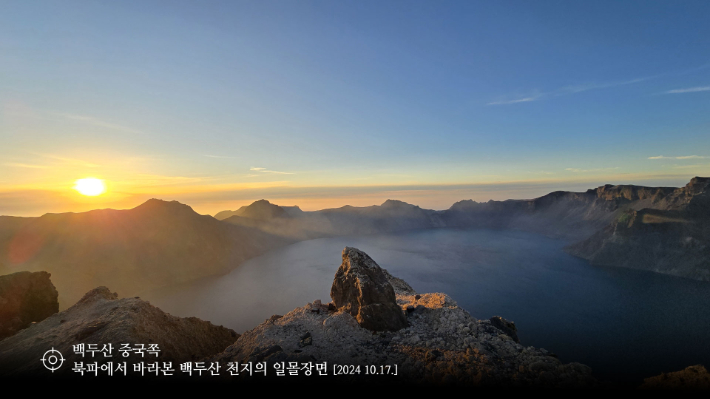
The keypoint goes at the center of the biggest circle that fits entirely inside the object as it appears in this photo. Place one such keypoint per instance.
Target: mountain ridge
(581, 218)
(154, 244)
(670, 237)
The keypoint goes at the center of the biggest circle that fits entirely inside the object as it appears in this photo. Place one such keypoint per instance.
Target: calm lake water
(625, 324)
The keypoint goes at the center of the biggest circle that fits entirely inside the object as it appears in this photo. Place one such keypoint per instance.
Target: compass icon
(52, 359)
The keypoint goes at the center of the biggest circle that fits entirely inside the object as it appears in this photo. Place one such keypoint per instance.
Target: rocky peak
(362, 289)
(698, 184)
(261, 203)
(262, 210)
(697, 191)
(397, 204)
(158, 205)
(97, 294)
(25, 297)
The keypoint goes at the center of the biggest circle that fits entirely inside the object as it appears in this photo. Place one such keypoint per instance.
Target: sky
(326, 103)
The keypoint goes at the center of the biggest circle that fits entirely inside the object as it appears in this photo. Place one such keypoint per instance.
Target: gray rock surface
(25, 297)
(507, 327)
(101, 318)
(362, 289)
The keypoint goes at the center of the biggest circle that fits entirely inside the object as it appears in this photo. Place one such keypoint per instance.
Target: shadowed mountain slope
(156, 244)
(260, 210)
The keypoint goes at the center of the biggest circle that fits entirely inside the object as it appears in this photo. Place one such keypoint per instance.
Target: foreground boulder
(442, 344)
(362, 289)
(101, 318)
(25, 297)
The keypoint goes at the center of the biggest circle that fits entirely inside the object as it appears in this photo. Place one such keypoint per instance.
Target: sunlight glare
(90, 186)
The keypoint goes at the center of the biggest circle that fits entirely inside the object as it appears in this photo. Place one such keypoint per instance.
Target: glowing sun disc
(90, 186)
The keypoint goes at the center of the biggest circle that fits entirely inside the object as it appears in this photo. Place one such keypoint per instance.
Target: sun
(90, 186)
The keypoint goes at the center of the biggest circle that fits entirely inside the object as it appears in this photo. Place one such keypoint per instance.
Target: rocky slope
(25, 298)
(101, 318)
(693, 378)
(440, 343)
(671, 235)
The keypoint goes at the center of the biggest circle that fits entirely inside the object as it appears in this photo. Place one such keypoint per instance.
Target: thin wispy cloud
(56, 160)
(688, 90)
(574, 89)
(264, 170)
(577, 170)
(595, 86)
(218, 156)
(73, 161)
(161, 180)
(21, 110)
(25, 165)
(540, 172)
(98, 122)
(680, 157)
(519, 100)
(697, 166)
(580, 88)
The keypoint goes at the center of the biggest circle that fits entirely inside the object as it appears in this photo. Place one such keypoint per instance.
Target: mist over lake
(625, 324)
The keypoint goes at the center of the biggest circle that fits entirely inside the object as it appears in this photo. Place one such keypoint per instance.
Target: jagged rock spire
(361, 288)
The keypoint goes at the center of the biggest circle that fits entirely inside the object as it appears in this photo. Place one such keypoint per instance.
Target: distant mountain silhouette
(672, 225)
(391, 216)
(260, 210)
(156, 244)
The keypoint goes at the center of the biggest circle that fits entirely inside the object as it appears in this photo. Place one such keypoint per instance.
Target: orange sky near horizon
(210, 199)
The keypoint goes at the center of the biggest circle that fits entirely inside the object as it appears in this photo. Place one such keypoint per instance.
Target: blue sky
(326, 103)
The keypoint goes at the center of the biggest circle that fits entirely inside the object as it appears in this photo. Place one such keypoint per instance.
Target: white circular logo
(52, 359)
